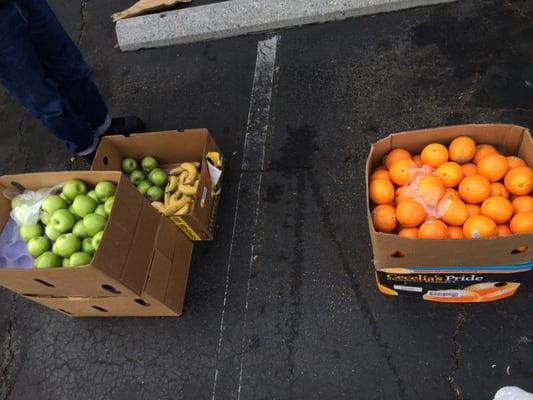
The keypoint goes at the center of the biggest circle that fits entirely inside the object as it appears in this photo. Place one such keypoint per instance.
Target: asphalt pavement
(283, 304)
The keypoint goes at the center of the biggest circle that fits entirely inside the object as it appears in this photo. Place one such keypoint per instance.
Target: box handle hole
(111, 289)
(519, 250)
(99, 308)
(105, 160)
(18, 186)
(500, 284)
(64, 311)
(398, 254)
(142, 302)
(44, 282)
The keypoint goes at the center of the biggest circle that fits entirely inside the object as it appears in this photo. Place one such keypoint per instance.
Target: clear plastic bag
(512, 393)
(28, 204)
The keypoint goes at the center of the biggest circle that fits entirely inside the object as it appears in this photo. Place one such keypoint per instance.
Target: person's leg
(23, 77)
(64, 65)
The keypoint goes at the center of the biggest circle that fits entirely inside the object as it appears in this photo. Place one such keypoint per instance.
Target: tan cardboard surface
(392, 251)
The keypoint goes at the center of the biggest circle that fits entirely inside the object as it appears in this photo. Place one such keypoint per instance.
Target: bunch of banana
(180, 190)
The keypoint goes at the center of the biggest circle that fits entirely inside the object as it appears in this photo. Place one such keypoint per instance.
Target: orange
(381, 191)
(499, 209)
(451, 173)
(418, 160)
(403, 193)
(455, 232)
(483, 150)
(522, 222)
(403, 171)
(433, 229)
(519, 181)
(504, 230)
(493, 167)
(395, 155)
(462, 149)
(408, 232)
(498, 189)
(452, 211)
(451, 193)
(430, 189)
(523, 204)
(410, 214)
(434, 154)
(515, 161)
(469, 169)
(380, 168)
(381, 174)
(474, 189)
(473, 209)
(384, 218)
(479, 227)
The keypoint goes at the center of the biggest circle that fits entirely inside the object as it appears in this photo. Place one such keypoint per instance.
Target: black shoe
(89, 158)
(125, 126)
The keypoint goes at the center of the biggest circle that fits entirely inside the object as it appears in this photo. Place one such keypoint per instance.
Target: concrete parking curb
(238, 17)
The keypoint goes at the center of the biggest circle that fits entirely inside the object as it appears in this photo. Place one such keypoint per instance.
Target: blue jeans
(44, 71)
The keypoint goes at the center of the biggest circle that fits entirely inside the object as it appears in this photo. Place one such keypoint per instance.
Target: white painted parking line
(250, 179)
(239, 17)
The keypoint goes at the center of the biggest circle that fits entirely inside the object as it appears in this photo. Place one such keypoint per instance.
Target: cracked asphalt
(305, 321)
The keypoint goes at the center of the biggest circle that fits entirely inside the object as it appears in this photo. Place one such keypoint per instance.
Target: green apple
(92, 195)
(66, 262)
(155, 193)
(45, 217)
(100, 210)
(79, 258)
(94, 223)
(158, 177)
(108, 206)
(83, 205)
(87, 246)
(97, 238)
(105, 190)
(15, 201)
(47, 260)
(129, 165)
(29, 231)
(64, 197)
(143, 187)
(53, 203)
(137, 177)
(149, 163)
(37, 246)
(73, 188)
(79, 230)
(67, 244)
(62, 220)
(52, 232)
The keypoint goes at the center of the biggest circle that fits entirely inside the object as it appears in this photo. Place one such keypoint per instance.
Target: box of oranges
(450, 212)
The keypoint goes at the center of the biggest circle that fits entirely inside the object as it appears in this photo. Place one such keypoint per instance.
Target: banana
(159, 206)
(175, 197)
(167, 198)
(182, 177)
(176, 171)
(177, 205)
(192, 172)
(172, 184)
(188, 189)
(196, 164)
(183, 210)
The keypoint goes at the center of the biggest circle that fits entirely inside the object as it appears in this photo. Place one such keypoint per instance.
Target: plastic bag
(28, 204)
(512, 393)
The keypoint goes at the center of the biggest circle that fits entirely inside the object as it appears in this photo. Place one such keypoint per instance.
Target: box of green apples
(92, 238)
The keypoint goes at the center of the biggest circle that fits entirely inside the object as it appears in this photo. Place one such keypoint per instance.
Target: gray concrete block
(238, 17)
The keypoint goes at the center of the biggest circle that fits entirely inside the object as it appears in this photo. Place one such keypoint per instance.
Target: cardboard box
(452, 270)
(121, 264)
(163, 291)
(170, 148)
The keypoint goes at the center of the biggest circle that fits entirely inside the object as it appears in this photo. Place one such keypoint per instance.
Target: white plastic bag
(28, 204)
(512, 393)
